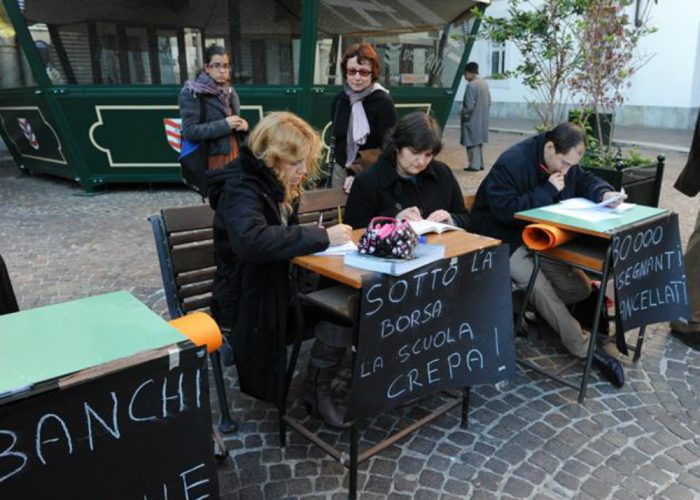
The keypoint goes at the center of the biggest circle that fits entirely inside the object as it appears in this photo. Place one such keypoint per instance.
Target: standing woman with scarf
(362, 113)
(221, 128)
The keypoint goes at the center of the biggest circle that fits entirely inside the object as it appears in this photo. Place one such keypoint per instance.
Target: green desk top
(605, 228)
(48, 342)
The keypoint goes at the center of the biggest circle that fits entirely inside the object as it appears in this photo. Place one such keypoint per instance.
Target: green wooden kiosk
(88, 90)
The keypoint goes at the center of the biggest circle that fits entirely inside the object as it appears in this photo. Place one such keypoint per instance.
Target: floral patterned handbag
(389, 237)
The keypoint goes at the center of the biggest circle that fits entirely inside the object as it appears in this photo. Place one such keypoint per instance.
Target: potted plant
(608, 59)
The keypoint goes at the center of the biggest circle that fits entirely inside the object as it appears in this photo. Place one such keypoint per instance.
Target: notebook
(424, 254)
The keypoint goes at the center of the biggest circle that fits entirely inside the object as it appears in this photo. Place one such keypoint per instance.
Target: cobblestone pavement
(528, 439)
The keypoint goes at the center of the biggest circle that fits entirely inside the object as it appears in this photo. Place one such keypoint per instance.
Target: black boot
(609, 367)
(317, 394)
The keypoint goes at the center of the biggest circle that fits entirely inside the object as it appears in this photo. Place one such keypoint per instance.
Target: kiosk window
(134, 42)
(168, 56)
(110, 42)
(14, 70)
(265, 38)
(413, 42)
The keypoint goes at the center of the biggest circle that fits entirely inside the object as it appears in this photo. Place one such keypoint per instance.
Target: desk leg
(352, 493)
(299, 314)
(594, 329)
(640, 340)
(465, 407)
(528, 291)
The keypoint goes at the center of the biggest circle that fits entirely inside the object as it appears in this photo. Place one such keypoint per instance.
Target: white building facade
(664, 93)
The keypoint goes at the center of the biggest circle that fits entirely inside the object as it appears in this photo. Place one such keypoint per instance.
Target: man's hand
(621, 196)
(557, 180)
(410, 213)
(441, 216)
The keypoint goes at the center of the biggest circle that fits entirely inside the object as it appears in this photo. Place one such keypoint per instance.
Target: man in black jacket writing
(540, 171)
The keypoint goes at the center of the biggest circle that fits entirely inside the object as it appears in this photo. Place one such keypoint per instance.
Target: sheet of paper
(593, 214)
(339, 249)
(584, 204)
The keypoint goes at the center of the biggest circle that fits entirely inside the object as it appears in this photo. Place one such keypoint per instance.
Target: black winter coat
(215, 130)
(689, 181)
(380, 190)
(381, 116)
(516, 182)
(251, 288)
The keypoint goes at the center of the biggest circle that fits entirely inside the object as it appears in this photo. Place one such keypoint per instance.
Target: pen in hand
(340, 215)
(320, 220)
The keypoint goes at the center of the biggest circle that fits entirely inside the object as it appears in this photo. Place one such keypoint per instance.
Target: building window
(498, 58)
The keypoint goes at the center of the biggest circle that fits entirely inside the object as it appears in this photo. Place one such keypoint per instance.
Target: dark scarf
(203, 84)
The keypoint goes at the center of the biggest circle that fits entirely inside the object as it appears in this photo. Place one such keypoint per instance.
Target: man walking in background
(475, 117)
(689, 183)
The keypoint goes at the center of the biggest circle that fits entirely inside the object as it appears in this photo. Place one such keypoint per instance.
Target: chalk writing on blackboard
(146, 417)
(650, 280)
(440, 326)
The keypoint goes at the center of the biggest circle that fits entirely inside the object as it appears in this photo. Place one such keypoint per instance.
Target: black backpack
(193, 160)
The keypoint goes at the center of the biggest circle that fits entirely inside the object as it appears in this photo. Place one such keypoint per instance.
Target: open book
(427, 226)
(424, 254)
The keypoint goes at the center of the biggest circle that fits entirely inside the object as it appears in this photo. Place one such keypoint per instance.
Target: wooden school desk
(590, 251)
(102, 397)
(457, 243)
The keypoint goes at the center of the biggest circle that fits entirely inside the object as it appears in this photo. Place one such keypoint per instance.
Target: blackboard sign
(650, 280)
(445, 325)
(141, 433)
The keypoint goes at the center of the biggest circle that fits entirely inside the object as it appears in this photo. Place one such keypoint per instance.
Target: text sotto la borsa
(644, 259)
(106, 419)
(416, 340)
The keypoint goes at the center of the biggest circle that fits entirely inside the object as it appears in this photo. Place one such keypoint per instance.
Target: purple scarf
(203, 84)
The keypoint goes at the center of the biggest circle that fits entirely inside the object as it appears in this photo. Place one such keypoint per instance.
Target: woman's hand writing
(339, 234)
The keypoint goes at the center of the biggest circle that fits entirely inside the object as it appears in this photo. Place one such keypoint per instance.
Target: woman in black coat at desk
(407, 182)
(255, 237)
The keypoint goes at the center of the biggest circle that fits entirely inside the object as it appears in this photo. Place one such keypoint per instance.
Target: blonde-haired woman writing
(255, 236)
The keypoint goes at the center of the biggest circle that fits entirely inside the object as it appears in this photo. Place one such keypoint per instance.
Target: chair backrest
(8, 301)
(184, 240)
(469, 201)
(321, 201)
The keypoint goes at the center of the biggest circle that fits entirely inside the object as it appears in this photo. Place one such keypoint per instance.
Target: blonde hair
(284, 137)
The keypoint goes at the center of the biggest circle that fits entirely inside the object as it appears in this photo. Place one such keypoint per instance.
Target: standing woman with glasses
(362, 113)
(220, 127)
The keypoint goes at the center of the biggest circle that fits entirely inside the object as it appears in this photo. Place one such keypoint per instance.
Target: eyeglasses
(224, 66)
(362, 72)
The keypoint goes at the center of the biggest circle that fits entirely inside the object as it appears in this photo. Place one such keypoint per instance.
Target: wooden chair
(8, 301)
(186, 255)
(319, 202)
(469, 201)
